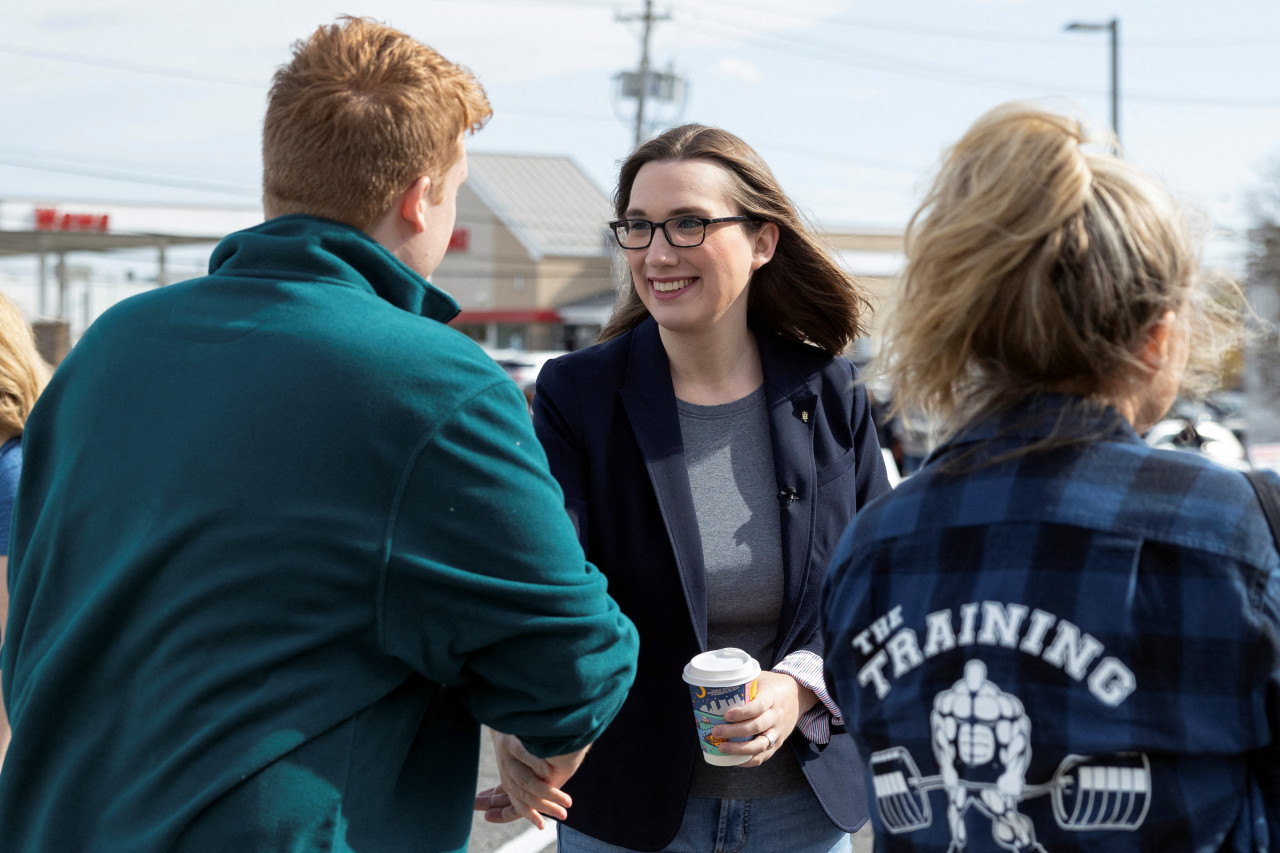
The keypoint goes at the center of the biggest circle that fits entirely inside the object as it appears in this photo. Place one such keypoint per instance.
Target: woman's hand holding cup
(767, 720)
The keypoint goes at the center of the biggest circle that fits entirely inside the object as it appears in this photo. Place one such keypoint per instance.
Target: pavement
(517, 837)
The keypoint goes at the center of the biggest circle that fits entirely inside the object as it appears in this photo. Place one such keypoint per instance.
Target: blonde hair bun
(1037, 262)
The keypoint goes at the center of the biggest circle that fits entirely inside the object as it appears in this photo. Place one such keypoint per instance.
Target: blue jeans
(794, 824)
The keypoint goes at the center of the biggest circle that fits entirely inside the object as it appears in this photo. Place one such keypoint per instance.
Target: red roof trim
(529, 316)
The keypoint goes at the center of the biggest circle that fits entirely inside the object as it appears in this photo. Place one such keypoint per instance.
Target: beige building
(529, 246)
(532, 261)
(875, 257)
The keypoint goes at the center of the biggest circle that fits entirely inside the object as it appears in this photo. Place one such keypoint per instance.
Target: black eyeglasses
(688, 231)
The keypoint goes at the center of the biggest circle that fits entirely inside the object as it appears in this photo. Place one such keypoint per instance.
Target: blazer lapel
(792, 407)
(650, 403)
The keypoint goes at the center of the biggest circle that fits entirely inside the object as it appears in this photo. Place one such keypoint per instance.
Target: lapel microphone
(786, 496)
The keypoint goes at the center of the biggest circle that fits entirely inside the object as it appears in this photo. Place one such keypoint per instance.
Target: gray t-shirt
(735, 499)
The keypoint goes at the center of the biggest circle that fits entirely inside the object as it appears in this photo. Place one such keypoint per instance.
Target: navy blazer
(606, 416)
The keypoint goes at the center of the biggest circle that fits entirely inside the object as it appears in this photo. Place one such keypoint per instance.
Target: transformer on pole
(644, 85)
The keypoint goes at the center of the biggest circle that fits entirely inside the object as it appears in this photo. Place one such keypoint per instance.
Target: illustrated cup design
(719, 680)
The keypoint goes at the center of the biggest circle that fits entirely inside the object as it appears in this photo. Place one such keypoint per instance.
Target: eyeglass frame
(654, 226)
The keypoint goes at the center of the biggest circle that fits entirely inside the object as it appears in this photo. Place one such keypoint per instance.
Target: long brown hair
(801, 294)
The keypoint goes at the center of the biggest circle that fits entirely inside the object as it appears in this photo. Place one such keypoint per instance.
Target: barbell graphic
(1088, 793)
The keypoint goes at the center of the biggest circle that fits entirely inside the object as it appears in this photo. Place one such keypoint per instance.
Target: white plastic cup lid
(721, 668)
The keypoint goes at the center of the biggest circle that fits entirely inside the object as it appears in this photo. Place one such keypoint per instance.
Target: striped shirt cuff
(806, 668)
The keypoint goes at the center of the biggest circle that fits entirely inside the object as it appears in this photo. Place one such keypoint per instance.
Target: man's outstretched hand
(529, 786)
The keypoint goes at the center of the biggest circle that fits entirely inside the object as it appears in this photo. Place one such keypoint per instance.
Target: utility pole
(642, 77)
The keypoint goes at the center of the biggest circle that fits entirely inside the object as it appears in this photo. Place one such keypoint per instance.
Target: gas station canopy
(61, 242)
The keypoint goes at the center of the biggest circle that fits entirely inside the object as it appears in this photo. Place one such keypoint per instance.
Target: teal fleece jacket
(283, 540)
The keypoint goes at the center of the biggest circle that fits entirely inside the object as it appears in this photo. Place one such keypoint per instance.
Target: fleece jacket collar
(309, 248)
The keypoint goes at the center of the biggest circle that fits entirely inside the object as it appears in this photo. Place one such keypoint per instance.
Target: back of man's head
(361, 112)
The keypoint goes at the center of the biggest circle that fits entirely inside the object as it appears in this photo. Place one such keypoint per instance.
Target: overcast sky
(850, 102)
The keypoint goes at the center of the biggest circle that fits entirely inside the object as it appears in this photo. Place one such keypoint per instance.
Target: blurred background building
(531, 260)
(532, 265)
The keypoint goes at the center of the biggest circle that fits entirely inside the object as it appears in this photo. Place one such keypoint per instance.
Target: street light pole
(1113, 26)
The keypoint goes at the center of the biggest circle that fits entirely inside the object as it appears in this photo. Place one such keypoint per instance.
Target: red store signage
(459, 240)
(52, 219)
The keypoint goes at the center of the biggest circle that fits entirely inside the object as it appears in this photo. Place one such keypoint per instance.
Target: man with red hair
(285, 539)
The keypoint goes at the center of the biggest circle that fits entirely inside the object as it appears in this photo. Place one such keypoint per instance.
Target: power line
(863, 163)
(231, 80)
(135, 67)
(792, 45)
(48, 155)
(129, 174)
(787, 44)
(603, 5)
(553, 114)
(869, 59)
(511, 223)
(1008, 37)
(889, 26)
(1204, 44)
(225, 188)
(891, 64)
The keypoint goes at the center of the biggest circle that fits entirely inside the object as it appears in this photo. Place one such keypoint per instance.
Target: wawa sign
(52, 219)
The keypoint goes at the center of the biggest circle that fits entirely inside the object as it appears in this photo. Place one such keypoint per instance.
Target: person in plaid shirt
(1054, 637)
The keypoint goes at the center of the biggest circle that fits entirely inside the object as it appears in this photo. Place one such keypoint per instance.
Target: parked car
(523, 365)
(1205, 428)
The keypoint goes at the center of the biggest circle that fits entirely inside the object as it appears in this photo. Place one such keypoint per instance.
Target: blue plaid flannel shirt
(1067, 650)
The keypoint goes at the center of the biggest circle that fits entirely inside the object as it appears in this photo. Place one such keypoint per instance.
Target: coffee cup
(719, 680)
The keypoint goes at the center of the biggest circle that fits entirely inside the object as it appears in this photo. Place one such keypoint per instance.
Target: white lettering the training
(880, 630)
(940, 637)
(1033, 641)
(990, 623)
(1112, 682)
(862, 642)
(873, 672)
(883, 626)
(1072, 652)
(1000, 623)
(967, 614)
(904, 652)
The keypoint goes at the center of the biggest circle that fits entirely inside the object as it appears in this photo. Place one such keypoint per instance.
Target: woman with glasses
(711, 449)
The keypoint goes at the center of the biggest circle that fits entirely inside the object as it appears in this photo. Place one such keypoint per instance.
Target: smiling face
(697, 289)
